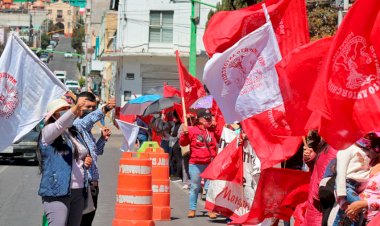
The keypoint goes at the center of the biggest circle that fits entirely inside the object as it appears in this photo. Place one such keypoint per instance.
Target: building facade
(63, 15)
(148, 34)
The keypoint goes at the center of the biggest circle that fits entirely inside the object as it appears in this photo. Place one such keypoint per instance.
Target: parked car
(53, 43)
(49, 48)
(45, 58)
(55, 37)
(25, 148)
(73, 86)
(68, 55)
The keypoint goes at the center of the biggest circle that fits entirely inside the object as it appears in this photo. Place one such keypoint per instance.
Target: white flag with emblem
(130, 132)
(26, 87)
(243, 79)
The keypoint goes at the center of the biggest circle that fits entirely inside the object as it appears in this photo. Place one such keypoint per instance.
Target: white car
(73, 86)
(68, 55)
(49, 48)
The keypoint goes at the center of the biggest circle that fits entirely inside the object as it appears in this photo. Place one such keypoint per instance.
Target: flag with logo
(26, 87)
(278, 193)
(233, 199)
(243, 79)
(347, 93)
(130, 132)
(289, 19)
(297, 73)
(191, 88)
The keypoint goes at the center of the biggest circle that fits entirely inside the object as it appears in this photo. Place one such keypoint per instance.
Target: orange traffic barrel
(160, 184)
(134, 193)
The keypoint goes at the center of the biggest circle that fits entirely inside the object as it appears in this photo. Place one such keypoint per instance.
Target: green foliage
(323, 20)
(45, 40)
(82, 81)
(78, 37)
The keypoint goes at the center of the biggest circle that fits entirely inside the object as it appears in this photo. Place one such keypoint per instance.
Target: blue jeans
(142, 138)
(195, 170)
(352, 196)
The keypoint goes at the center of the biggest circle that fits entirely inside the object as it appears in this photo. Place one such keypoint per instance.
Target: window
(127, 95)
(130, 76)
(59, 13)
(161, 26)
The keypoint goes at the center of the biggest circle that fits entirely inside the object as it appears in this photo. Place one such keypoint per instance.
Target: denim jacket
(56, 171)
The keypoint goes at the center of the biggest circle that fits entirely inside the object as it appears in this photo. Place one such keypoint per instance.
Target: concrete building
(64, 15)
(149, 33)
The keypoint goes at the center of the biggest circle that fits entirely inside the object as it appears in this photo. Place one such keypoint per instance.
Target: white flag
(130, 132)
(243, 79)
(26, 87)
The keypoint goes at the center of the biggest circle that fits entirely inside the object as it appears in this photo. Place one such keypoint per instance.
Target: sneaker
(185, 187)
(191, 214)
(211, 215)
(175, 179)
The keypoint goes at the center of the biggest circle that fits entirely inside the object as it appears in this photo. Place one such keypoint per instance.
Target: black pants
(177, 160)
(89, 217)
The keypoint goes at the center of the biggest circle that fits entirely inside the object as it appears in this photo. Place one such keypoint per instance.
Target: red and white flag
(233, 199)
(289, 19)
(347, 94)
(243, 79)
(26, 87)
(191, 88)
(278, 193)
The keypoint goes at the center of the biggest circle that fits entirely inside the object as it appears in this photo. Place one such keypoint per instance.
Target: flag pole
(304, 141)
(184, 111)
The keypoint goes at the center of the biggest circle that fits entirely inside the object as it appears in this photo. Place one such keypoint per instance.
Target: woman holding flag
(202, 151)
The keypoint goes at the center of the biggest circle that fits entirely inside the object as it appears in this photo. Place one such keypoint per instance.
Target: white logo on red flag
(8, 96)
(355, 58)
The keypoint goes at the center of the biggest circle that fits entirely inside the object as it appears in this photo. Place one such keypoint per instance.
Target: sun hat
(53, 106)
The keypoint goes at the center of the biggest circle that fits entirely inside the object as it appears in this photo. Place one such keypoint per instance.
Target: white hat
(53, 106)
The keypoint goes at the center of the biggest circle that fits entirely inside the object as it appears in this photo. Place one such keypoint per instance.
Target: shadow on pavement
(18, 162)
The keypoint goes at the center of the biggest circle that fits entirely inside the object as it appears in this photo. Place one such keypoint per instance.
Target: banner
(130, 132)
(26, 87)
(243, 79)
(231, 199)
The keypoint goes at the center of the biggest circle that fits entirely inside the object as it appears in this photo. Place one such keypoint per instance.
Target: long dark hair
(59, 144)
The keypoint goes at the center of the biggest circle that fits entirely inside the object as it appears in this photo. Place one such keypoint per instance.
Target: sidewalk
(179, 201)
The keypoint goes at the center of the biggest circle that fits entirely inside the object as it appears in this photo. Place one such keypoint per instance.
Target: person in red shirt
(203, 147)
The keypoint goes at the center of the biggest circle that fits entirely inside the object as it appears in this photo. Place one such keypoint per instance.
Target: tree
(82, 81)
(323, 20)
(323, 17)
(2, 46)
(78, 37)
(45, 40)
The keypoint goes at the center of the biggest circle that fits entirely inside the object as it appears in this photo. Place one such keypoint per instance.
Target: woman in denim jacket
(63, 162)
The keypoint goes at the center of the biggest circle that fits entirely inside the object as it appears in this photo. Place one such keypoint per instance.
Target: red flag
(227, 165)
(278, 193)
(289, 20)
(191, 88)
(170, 91)
(297, 74)
(347, 93)
(270, 137)
(375, 221)
(219, 119)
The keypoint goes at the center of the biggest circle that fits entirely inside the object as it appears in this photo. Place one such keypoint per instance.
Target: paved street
(20, 205)
(59, 62)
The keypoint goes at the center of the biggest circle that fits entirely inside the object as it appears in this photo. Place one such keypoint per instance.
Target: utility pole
(194, 19)
(193, 42)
